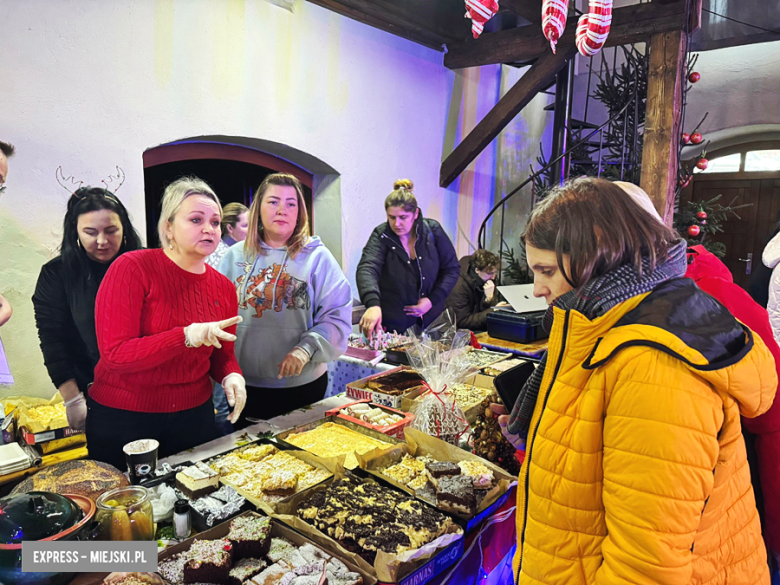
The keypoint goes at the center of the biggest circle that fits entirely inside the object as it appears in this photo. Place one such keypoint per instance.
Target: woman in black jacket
(474, 295)
(408, 267)
(96, 230)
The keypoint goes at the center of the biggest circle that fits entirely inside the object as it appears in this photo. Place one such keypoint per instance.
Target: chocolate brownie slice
(456, 494)
(250, 536)
(209, 561)
(438, 469)
(244, 570)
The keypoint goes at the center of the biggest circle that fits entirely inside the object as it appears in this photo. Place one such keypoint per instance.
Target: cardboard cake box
(359, 389)
(418, 444)
(348, 462)
(51, 435)
(390, 569)
(278, 530)
(394, 430)
(334, 466)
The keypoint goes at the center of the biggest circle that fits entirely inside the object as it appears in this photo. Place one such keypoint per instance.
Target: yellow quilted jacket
(636, 469)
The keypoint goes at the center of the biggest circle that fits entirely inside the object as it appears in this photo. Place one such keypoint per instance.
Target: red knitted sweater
(142, 308)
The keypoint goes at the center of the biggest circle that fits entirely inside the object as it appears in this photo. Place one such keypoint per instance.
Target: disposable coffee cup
(141, 458)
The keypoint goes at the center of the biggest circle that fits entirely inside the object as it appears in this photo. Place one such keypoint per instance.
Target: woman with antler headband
(96, 230)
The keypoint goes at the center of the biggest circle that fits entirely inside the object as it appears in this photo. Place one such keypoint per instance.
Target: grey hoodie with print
(304, 302)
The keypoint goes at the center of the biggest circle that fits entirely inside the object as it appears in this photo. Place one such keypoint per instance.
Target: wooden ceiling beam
(539, 76)
(630, 24)
(388, 17)
(531, 10)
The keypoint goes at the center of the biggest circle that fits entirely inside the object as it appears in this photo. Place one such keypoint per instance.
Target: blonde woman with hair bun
(408, 267)
(165, 324)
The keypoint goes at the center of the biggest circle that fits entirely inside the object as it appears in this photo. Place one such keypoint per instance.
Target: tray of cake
(256, 550)
(388, 533)
(483, 358)
(384, 419)
(263, 472)
(388, 388)
(495, 369)
(451, 479)
(334, 437)
(43, 423)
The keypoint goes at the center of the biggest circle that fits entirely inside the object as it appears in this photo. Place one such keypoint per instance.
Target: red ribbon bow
(452, 411)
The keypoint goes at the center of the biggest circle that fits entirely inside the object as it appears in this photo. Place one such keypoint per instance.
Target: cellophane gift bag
(438, 354)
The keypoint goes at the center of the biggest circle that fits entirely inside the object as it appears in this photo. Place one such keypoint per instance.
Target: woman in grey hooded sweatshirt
(295, 301)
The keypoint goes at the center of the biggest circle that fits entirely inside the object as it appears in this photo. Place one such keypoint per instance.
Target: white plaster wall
(90, 84)
(739, 88)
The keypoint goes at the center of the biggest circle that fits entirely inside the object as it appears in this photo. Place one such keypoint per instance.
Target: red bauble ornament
(684, 182)
(686, 138)
(694, 77)
(701, 215)
(697, 138)
(694, 230)
(702, 164)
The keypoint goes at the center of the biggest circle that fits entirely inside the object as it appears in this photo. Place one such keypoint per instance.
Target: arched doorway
(234, 171)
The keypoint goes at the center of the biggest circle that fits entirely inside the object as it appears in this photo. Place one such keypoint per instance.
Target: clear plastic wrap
(438, 354)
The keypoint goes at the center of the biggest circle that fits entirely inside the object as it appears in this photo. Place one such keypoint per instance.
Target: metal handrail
(483, 226)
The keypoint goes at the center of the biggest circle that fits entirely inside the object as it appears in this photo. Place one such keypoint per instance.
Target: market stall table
(79, 452)
(275, 425)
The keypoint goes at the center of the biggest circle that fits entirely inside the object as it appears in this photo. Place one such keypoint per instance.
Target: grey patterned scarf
(593, 300)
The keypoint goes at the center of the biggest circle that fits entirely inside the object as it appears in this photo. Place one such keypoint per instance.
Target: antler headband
(69, 182)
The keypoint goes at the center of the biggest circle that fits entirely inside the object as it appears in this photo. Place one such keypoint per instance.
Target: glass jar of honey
(125, 514)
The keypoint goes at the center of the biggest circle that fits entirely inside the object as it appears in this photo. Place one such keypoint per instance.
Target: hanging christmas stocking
(480, 11)
(593, 28)
(554, 13)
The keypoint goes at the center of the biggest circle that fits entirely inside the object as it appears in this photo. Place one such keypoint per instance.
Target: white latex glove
(207, 334)
(490, 289)
(293, 363)
(76, 411)
(235, 392)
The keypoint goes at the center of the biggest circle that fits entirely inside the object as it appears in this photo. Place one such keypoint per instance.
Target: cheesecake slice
(197, 480)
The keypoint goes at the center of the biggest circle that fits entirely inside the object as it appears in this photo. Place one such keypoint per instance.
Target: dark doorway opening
(233, 172)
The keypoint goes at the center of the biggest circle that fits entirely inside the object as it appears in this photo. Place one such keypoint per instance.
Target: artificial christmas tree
(696, 220)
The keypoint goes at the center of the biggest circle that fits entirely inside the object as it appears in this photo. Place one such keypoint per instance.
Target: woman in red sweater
(165, 325)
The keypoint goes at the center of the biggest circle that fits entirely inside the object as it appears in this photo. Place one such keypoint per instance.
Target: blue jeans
(223, 410)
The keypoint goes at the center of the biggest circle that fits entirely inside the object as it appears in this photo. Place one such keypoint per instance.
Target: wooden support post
(539, 76)
(665, 83)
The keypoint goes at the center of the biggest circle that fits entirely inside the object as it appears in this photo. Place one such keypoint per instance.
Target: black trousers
(110, 429)
(266, 403)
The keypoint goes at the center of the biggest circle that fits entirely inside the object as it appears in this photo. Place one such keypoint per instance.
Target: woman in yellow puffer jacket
(635, 468)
